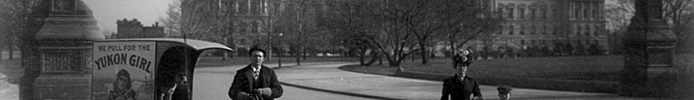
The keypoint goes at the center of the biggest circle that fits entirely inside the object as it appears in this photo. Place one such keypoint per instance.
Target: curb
(330, 91)
(339, 92)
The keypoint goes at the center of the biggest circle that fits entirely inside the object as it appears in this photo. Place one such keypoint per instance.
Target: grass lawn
(593, 68)
(578, 73)
(580, 68)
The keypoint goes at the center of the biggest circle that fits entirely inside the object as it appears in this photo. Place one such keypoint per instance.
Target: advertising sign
(123, 70)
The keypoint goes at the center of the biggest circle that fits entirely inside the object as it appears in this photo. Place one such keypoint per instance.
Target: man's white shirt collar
(256, 69)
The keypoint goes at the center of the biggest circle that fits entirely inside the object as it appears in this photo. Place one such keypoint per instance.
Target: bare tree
(172, 21)
(465, 21)
(390, 35)
(25, 18)
(677, 12)
(200, 21)
(425, 22)
(352, 24)
(299, 24)
(681, 14)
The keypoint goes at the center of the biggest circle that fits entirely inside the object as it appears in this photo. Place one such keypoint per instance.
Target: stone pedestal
(649, 46)
(65, 47)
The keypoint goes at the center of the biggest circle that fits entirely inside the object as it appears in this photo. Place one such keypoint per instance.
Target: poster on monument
(123, 70)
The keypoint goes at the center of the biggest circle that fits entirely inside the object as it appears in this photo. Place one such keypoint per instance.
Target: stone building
(245, 22)
(546, 23)
(135, 29)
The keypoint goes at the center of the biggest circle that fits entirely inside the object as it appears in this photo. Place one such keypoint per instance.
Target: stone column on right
(649, 44)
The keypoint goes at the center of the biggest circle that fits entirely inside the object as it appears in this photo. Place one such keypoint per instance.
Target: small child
(504, 92)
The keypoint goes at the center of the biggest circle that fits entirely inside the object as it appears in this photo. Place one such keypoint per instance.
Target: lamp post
(280, 50)
(342, 52)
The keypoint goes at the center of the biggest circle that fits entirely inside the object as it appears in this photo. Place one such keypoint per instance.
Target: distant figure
(123, 88)
(255, 81)
(460, 87)
(504, 92)
(171, 78)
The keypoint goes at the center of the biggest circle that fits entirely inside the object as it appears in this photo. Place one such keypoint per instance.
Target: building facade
(547, 24)
(134, 29)
(245, 23)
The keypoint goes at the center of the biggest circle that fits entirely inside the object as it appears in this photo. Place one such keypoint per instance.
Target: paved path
(213, 83)
(328, 78)
(8, 91)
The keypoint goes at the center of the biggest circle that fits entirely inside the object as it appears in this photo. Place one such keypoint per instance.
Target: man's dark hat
(504, 89)
(256, 48)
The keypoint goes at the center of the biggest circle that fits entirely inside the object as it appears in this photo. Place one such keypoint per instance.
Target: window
(243, 41)
(545, 13)
(595, 14)
(576, 14)
(510, 12)
(243, 6)
(521, 13)
(255, 7)
(522, 42)
(586, 13)
(510, 32)
(242, 28)
(532, 27)
(254, 27)
(521, 33)
(532, 13)
(532, 32)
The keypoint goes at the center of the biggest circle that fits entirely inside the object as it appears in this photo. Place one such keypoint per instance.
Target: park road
(327, 77)
(212, 83)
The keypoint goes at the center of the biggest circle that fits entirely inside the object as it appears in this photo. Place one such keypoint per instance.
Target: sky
(107, 12)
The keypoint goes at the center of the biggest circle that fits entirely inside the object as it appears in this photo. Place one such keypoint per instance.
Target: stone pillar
(65, 44)
(648, 63)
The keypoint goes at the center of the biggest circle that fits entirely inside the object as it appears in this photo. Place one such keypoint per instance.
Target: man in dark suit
(255, 81)
(460, 87)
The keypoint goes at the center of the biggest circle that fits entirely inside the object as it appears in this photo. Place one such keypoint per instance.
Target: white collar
(256, 69)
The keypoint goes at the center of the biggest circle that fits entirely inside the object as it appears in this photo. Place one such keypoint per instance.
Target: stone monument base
(63, 87)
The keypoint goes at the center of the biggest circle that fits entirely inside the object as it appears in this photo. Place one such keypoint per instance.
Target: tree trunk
(393, 63)
(375, 56)
(362, 57)
(2, 51)
(11, 49)
(412, 57)
(297, 55)
(303, 54)
(425, 55)
(380, 60)
(298, 59)
(269, 54)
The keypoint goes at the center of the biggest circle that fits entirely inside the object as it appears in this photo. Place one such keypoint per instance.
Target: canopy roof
(198, 45)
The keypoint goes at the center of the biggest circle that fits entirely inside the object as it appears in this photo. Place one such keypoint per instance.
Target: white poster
(123, 70)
